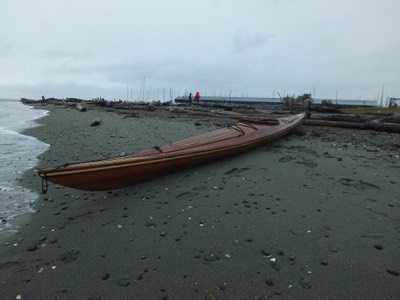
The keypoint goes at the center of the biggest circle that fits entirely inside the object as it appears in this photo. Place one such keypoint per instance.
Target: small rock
(266, 252)
(69, 256)
(32, 248)
(95, 122)
(393, 272)
(269, 282)
(163, 233)
(324, 262)
(53, 240)
(306, 283)
(105, 276)
(210, 257)
(378, 247)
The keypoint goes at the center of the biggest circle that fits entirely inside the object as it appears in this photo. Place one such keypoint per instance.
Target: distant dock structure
(232, 100)
(270, 101)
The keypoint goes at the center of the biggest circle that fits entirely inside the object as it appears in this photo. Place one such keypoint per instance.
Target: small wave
(19, 153)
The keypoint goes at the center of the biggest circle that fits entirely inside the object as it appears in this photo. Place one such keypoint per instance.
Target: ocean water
(18, 153)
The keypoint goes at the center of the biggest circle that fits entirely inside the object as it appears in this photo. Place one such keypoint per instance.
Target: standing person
(190, 97)
(197, 96)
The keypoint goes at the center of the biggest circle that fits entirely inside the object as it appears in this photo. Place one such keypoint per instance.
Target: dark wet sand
(315, 215)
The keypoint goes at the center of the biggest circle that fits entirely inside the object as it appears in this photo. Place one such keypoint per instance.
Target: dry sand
(315, 215)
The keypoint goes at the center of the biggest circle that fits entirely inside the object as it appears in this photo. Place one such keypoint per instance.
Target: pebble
(105, 276)
(378, 247)
(32, 248)
(69, 256)
(324, 262)
(280, 252)
(266, 252)
(269, 282)
(393, 272)
(210, 257)
(306, 283)
(53, 240)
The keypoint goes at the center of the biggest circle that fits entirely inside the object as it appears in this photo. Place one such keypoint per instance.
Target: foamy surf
(18, 153)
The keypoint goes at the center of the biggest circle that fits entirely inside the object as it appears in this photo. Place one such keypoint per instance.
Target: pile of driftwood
(378, 122)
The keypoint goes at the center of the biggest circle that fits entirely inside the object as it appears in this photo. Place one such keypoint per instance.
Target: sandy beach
(314, 215)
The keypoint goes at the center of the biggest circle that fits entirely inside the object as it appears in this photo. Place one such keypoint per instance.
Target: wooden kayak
(128, 170)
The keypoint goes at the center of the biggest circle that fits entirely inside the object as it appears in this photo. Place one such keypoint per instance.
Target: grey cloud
(245, 41)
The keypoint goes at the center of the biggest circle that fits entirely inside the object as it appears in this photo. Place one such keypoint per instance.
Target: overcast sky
(91, 48)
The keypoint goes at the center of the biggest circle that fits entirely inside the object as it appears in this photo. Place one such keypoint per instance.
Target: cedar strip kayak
(118, 172)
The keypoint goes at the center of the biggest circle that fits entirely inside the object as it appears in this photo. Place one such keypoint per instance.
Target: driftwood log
(379, 122)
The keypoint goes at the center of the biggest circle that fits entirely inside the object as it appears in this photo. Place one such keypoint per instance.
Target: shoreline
(19, 152)
(312, 215)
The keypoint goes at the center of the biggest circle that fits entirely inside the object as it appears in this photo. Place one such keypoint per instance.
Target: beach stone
(269, 282)
(150, 224)
(32, 248)
(210, 257)
(393, 272)
(305, 283)
(95, 122)
(105, 276)
(324, 262)
(164, 296)
(69, 256)
(42, 238)
(378, 247)
(266, 252)
(53, 240)
(123, 282)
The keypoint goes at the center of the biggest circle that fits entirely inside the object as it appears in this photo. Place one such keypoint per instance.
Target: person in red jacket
(197, 96)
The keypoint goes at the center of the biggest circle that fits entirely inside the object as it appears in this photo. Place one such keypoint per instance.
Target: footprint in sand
(285, 159)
